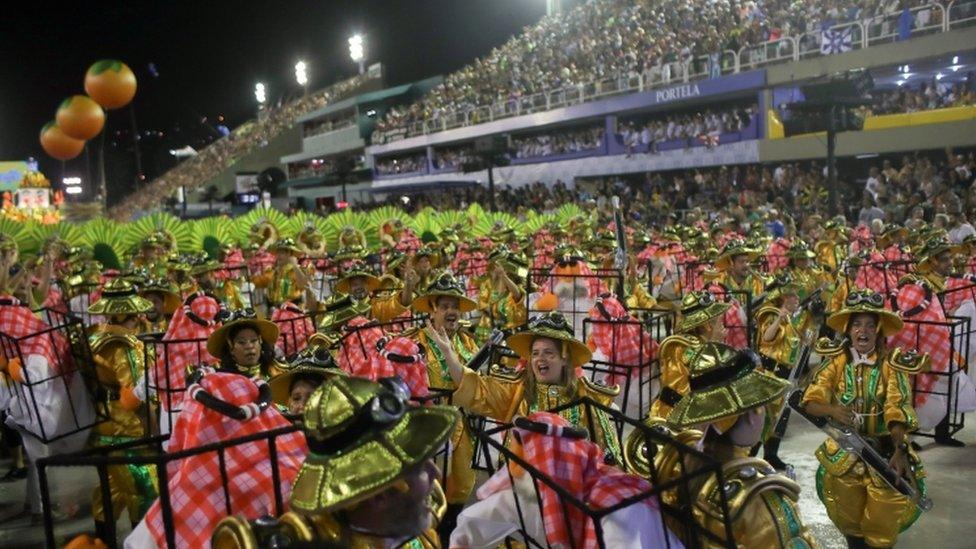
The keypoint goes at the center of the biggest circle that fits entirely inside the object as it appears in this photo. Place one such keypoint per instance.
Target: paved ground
(947, 526)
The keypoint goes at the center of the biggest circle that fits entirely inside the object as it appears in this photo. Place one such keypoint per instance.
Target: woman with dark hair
(245, 344)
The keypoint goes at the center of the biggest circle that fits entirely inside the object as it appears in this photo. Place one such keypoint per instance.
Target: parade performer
(165, 302)
(306, 371)
(701, 320)
(726, 409)
(738, 284)
(500, 298)
(285, 281)
(369, 479)
(204, 272)
(220, 407)
(119, 363)
(553, 378)
(864, 384)
(244, 344)
(560, 452)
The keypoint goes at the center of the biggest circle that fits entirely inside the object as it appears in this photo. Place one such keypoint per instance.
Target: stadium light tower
(301, 75)
(357, 51)
(260, 93)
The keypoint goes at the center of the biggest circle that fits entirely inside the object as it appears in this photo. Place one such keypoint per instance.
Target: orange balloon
(16, 370)
(111, 83)
(57, 144)
(80, 118)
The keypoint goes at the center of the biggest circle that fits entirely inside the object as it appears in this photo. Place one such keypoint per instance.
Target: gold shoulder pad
(764, 310)
(504, 373)
(600, 388)
(828, 348)
(744, 479)
(677, 343)
(101, 340)
(909, 362)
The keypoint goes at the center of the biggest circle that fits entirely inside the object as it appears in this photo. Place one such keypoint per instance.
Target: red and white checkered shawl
(621, 339)
(55, 300)
(197, 497)
(294, 328)
(594, 285)
(233, 263)
(34, 336)
(971, 265)
(736, 324)
(358, 347)
(894, 254)
(917, 305)
(103, 279)
(875, 275)
(408, 242)
(957, 292)
(862, 239)
(577, 466)
(261, 261)
(776, 258)
(172, 359)
(413, 373)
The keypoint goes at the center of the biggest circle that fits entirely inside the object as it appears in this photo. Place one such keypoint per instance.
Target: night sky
(209, 54)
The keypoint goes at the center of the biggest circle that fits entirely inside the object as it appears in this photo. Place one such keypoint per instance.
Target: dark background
(208, 55)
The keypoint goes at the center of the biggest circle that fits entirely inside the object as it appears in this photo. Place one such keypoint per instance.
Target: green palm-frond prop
(38, 234)
(17, 231)
(335, 222)
(569, 211)
(104, 236)
(491, 222)
(535, 222)
(243, 224)
(177, 231)
(298, 221)
(209, 234)
(453, 218)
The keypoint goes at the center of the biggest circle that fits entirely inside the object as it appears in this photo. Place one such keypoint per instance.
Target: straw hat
(362, 437)
(171, 300)
(218, 341)
(357, 269)
(552, 325)
(870, 302)
(732, 249)
(444, 284)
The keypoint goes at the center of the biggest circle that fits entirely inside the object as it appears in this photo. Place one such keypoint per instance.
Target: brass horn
(659, 463)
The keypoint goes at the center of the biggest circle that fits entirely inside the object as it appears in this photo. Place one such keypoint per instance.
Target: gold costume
(501, 395)
(857, 500)
(119, 364)
(280, 284)
(675, 353)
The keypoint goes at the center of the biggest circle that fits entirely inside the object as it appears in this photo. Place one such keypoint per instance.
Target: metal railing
(870, 31)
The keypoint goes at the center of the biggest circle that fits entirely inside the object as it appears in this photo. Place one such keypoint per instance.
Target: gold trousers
(864, 507)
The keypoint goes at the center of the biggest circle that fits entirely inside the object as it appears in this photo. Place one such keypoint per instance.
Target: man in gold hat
(832, 248)
(864, 385)
(551, 380)
(203, 270)
(445, 301)
(119, 364)
(286, 280)
(360, 284)
(499, 296)
(724, 413)
(165, 301)
(369, 479)
(701, 320)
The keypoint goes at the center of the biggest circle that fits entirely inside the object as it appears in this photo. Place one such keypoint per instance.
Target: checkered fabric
(413, 373)
(408, 242)
(18, 321)
(232, 264)
(918, 306)
(594, 286)
(735, 321)
(261, 261)
(172, 359)
(577, 466)
(294, 328)
(776, 254)
(862, 239)
(875, 275)
(621, 339)
(358, 347)
(957, 292)
(897, 257)
(197, 496)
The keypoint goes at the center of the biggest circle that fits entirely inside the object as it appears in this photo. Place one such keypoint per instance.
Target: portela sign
(678, 92)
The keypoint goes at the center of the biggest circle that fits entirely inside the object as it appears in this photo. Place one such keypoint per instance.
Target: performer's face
(547, 361)
(863, 332)
(791, 302)
(298, 396)
(245, 347)
(357, 287)
(801, 262)
(447, 312)
(422, 265)
(740, 265)
(942, 263)
(157, 302)
(403, 511)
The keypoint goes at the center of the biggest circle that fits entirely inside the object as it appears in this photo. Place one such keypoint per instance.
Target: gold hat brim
(889, 322)
(726, 401)
(724, 260)
(342, 286)
(521, 343)
(699, 317)
(131, 304)
(329, 483)
(281, 383)
(217, 341)
(422, 303)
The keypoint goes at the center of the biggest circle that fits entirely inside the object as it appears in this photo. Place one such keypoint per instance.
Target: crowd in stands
(557, 142)
(918, 186)
(646, 132)
(613, 38)
(317, 127)
(223, 153)
(409, 163)
(452, 158)
(926, 96)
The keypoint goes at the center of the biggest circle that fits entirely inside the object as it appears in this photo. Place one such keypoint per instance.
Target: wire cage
(241, 278)
(57, 397)
(81, 299)
(148, 451)
(167, 362)
(295, 326)
(324, 272)
(690, 277)
(576, 292)
(937, 393)
(631, 365)
(671, 491)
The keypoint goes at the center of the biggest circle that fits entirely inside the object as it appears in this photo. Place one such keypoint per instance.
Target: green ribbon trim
(143, 476)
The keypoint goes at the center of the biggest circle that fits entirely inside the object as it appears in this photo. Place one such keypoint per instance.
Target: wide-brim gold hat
(698, 308)
(171, 300)
(932, 248)
(362, 437)
(511, 263)
(313, 362)
(287, 244)
(444, 285)
(734, 249)
(552, 325)
(724, 383)
(342, 309)
(355, 271)
(119, 297)
(218, 340)
(866, 302)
